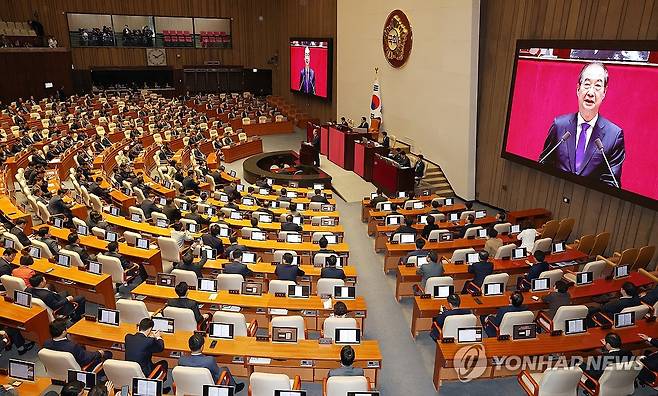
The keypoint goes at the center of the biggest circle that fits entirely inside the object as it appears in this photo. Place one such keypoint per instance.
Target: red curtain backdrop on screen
(545, 89)
(319, 58)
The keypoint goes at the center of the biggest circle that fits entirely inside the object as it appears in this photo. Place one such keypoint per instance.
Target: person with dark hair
(113, 251)
(18, 231)
(73, 307)
(480, 270)
(527, 236)
(454, 301)
(651, 296)
(420, 251)
(557, 298)
(432, 269)
(171, 211)
(347, 357)
(148, 205)
(493, 242)
(436, 204)
(73, 388)
(106, 389)
(605, 313)
(330, 270)
(60, 342)
(406, 228)
(612, 353)
(180, 234)
(196, 358)
(212, 239)
(379, 198)
(24, 271)
(516, 301)
(187, 263)
(96, 220)
(8, 256)
(501, 217)
(289, 225)
(43, 235)
(183, 302)
(141, 346)
(319, 197)
(74, 245)
(429, 227)
(323, 243)
(234, 245)
(196, 216)
(650, 361)
(540, 265)
(57, 206)
(236, 266)
(403, 160)
(190, 184)
(340, 310)
(470, 223)
(287, 270)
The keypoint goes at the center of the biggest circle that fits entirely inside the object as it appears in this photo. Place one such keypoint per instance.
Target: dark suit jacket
(198, 218)
(537, 269)
(555, 300)
(332, 272)
(288, 272)
(466, 227)
(307, 80)
(651, 360)
(56, 205)
(594, 166)
(617, 306)
(213, 242)
(184, 302)
(419, 168)
(196, 268)
(140, 349)
(53, 300)
(319, 198)
(148, 207)
(208, 362)
(22, 238)
(651, 297)
(441, 318)
(235, 267)
(230, 248)
(386, 142)
(81, 355)
(172, 213)
(82, 252)
(291, 227)
(5, 267)
(190, 184)
(480, 270)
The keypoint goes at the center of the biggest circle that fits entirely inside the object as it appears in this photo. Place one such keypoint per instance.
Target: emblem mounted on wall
(397, 38)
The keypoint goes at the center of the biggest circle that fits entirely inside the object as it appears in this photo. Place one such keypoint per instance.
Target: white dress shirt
(579, 128)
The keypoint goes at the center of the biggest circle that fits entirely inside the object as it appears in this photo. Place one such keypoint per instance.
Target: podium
(306, 154)
(364, 157)
(341, 146)
(324, 140)
(387, 175)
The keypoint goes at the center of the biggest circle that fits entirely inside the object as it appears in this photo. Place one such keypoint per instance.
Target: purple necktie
(580, 148)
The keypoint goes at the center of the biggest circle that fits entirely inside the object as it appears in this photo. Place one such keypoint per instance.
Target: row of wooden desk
(243, 355)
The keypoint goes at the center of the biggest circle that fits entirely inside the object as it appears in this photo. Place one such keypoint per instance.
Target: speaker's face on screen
(307, 56)
(591, 90)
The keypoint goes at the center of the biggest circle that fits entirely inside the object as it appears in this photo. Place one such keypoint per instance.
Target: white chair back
(503, 228)
(295, 321)
(132, 311)
(326, 286)
(186, 276)
(543, 244)
(190, 380)
(12, 283)
(45, 250)
(229, 281)
(460, 254)
(504, 251)
(454, 322)
(264, 384)
(619, 378)
(57, 364)
(331, 324)
(340, 385)
(568, 312)
(183, 318)
(112, 266)
(639, 311)
(237, 319)
(279, 286)
(121, 372)
(514, 318)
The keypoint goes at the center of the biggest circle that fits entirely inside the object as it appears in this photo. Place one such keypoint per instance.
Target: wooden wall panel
(509, 185)
(260, 28)
(27, 71)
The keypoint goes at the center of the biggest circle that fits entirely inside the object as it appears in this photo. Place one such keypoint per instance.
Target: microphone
(564, 138)
(599, 145)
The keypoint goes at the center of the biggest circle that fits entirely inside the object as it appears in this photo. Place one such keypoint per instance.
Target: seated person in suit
(211, 238)
(237, 266)
(386, 141)
(493, 242)
(196, 216)
(379, 198)
(286, 270)
(8, 256)
(323, 243)
(43, 235)
(480, 270)
(420, 245)
(429, 227)
(453, 309)
(254, 223)
(283, 196)
(65, 305)
(187, 263)
(330, 270)
(196, 358)
(470, 223)
(113, 251)
(141, 346)
(148, 205)
(516, 301)
(171, 211)
(432, 269)
(612, 353)
(557, 298)
(60, 342)
(501, 217)
(318, 197)
(183, 302)
(629, 298)
(435, 207)
(535, 270)
(288, 225)
(74, 245)
(340, 310)
(24, 271)
(364, 123)
(651, 296)
(234, 245)
(347, 356)
(10, 336)
(56, 205)
(406, 228)
(17, 230)
(96, 220)
(650, 361)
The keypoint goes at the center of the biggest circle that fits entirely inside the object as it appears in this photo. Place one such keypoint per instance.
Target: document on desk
(257, 360)
(278, 311)
(213, 296)
(562, 264)
(231, 308)
(327, 304)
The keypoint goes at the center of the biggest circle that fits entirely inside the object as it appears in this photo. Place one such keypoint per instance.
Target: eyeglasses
(598, 87)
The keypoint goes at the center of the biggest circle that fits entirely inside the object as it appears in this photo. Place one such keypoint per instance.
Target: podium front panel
(324, 140)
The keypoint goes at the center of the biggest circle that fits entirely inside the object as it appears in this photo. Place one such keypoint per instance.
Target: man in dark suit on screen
(578, 153)
(307, 75)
